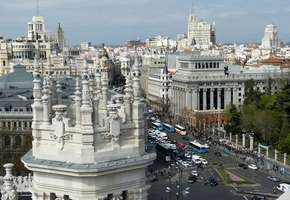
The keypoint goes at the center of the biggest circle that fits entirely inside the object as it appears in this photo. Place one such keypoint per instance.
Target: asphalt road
(222, 191)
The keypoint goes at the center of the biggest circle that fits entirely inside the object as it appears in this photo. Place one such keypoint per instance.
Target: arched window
(7, 141)
(17, 141)
(28, 141)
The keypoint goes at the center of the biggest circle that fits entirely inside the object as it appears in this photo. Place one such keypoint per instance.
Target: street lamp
(178, 194)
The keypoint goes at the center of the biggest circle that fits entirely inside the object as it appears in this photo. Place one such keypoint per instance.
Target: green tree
(233, 117)
(251, 93)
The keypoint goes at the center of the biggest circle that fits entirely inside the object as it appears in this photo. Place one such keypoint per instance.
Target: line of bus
(180, 130)
(195, 145)
(165, 152)
(157, 126)
(168, 128)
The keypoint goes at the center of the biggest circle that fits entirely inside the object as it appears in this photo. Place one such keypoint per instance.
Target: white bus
(180, 130)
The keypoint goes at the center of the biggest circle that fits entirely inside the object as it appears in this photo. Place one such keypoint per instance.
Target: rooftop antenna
(37, 10)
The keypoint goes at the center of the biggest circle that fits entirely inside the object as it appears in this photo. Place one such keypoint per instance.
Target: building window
(7, 141)
(17, 141)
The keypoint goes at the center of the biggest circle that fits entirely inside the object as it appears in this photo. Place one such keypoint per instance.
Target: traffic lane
(197, 191)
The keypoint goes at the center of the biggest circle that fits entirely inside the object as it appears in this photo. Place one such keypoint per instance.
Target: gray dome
(19, 78)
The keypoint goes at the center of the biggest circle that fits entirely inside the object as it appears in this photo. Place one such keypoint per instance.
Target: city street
(200, 191)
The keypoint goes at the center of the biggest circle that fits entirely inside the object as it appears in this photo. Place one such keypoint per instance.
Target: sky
(113, 22)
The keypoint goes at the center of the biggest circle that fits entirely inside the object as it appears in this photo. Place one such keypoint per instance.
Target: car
(273, 178)
(185, 138)
(204, 161)
(244, 166)
(200, 167)
(212, 181)
(192, 179)
(194, 173)
(252, 166)
(258, 197)
(217, 154)
(206, 145)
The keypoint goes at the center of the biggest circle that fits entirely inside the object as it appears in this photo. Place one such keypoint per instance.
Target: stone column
(211, 98)
(267, 152)
(275, 156)
(237, 137)
(219, 101)
(244, 140)
(225, 135)
(195, 99)
(230, 137)
(251, 143)
(285, 155)
(204, 98)
(259, 149)
(188, 96)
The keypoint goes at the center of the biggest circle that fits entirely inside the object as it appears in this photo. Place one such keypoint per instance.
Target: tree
(251, 93)
(233, 117)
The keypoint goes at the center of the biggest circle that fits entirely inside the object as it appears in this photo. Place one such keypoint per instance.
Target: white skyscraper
(200, 32)
(271, 38)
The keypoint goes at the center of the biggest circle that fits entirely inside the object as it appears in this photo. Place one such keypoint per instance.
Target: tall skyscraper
(271, 38)
(200, 32)
(59, 38)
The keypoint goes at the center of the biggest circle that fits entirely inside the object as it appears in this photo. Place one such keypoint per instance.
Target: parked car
(252, 166)
(206, 145)
(192, 179)
(273, 178)
(243, 165)
(212, 181)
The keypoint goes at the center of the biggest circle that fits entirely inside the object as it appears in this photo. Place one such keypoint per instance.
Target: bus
(165, 151)
(180, 130)
(168, 128)
(157, 126)
(195, 145)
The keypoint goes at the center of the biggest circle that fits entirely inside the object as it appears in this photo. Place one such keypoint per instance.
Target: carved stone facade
(90, 149)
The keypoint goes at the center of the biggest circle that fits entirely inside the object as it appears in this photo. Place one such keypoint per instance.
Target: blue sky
(116, 21)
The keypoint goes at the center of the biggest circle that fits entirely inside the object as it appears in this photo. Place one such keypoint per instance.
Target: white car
(204, 161)
(194, 173)
(252, 166)
(206, 145)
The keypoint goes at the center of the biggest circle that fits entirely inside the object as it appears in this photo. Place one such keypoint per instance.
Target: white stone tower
(79, 153)
(271, 38)
(59, 38)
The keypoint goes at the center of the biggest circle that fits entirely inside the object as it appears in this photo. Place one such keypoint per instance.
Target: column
(267, 152)
(237, 137)
(244, 140)
(211, 98)
(259, 149)
(251, 143)
(225, 135)
(219, 99)
(188, 95)
(204, 98)
(285, 155)
(275, 156)
(235, 97)
(195, 99)
(230, 137)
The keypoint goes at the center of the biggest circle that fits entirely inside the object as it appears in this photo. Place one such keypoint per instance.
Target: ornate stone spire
(58, 90)
(78, 102)
(9, 192)
(45, 102)
(37, 82)
(136, 80)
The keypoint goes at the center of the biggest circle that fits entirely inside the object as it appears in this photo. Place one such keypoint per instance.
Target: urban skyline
(96, 22)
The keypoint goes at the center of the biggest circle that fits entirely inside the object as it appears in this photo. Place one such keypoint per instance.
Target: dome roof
(19, 78)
